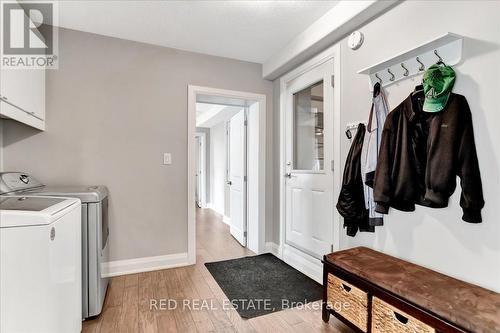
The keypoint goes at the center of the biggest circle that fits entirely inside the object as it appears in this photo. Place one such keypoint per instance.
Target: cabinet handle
(402, 319)
(346, 287)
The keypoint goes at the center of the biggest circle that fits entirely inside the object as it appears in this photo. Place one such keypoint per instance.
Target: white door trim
(256, 200)
(203, 162)
(331, 53)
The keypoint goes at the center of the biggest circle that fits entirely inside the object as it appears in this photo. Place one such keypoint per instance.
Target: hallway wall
(208, 190)
(438, 238)
(435, 238)
(218, 167)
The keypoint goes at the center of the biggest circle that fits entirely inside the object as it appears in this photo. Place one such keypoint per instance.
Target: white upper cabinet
(22, 94)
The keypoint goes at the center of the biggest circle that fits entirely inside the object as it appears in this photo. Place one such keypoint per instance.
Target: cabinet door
(23, 95)
(25, 89)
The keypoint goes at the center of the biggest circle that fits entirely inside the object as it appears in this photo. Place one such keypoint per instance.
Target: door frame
(256, 197)
(203, 167)
(296, 258)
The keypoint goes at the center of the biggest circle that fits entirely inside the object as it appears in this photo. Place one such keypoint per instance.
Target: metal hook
(378, 78)
(422, 66)
(392, 74)
(407, 72)
(440, 60)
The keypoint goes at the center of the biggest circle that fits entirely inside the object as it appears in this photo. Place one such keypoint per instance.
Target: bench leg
(325, 314)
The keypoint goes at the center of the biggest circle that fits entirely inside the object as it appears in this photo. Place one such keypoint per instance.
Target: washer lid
(30, 204)
(84, 193)
(22, 211)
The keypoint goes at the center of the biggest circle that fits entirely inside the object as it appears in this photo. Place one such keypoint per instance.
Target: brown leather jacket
(421, 154)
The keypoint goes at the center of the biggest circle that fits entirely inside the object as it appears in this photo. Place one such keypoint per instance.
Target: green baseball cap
(438, 83)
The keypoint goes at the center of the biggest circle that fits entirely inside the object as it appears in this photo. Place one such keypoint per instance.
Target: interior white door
(309, 153)
(237, 177)
(198, 170)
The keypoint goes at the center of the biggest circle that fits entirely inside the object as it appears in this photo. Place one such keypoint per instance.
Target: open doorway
(226, 170)
(226, 156)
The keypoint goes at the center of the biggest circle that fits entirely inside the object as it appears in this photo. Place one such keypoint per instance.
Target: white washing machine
(95, 230)
(40, 264)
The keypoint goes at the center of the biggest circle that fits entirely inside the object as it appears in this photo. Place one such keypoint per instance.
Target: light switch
(167, 158)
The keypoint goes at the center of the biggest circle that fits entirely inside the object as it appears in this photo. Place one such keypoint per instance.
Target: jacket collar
(410, 112)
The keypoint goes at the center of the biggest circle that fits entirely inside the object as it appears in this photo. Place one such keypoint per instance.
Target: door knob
(229, 183)
(288, 175)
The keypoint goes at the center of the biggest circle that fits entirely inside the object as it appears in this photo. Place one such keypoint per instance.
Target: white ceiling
(245, 30)
(208, 115)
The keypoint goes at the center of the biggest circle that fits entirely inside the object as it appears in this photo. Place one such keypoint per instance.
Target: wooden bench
(373, 292)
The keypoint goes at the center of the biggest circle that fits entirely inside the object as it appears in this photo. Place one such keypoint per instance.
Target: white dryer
(40, 264)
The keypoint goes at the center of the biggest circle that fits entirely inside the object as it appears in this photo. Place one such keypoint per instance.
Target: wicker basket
(388, 319)
(348, 301)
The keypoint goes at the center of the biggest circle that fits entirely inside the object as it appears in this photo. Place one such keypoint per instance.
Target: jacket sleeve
(382, 183)
(471, 199)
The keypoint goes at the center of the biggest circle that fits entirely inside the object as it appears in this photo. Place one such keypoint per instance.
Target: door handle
(229, 183)
(288, 175)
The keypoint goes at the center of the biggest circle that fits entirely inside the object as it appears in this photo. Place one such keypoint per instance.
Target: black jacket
(351, 203)
(421, 154)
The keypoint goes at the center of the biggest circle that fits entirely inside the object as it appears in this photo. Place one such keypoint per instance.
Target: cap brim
(435, 104)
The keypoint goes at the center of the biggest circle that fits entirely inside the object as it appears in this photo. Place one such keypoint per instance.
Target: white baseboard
(146, 264)
(212, 207)
(303, 262)
(226, 220)
(273, 248)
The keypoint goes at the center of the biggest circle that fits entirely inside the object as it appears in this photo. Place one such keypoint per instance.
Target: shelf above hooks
(416, 60)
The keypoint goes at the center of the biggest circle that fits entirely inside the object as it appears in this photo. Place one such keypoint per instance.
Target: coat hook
(422, 67)
(440, 60)
(378, 78)
(406, 73)
(392, 74)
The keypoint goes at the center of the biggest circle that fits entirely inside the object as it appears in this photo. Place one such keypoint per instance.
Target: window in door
(308, 136)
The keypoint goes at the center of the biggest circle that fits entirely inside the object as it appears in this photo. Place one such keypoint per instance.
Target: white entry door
(237, 177)
(309, 153)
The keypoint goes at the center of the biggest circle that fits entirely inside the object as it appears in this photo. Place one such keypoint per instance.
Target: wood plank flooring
(127, 304)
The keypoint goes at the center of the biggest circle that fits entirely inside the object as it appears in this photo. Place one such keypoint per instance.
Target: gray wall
(113, 108)
(436, 238)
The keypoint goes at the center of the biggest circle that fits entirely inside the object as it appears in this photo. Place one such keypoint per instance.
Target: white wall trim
(226, 219)
(256, 201)
(303, 262)
(331, 53)
(299, 260)
(146, 264)
(273, 248)
(212, 207)
(339, 21)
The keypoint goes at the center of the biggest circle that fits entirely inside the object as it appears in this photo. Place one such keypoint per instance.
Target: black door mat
(263, 284)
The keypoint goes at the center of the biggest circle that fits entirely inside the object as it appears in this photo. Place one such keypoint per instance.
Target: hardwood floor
(127, 304)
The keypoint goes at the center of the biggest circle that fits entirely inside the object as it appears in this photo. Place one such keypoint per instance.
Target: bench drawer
(348, 301)
(388, 319)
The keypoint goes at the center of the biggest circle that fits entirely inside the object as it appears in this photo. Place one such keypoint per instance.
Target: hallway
(127, 305)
